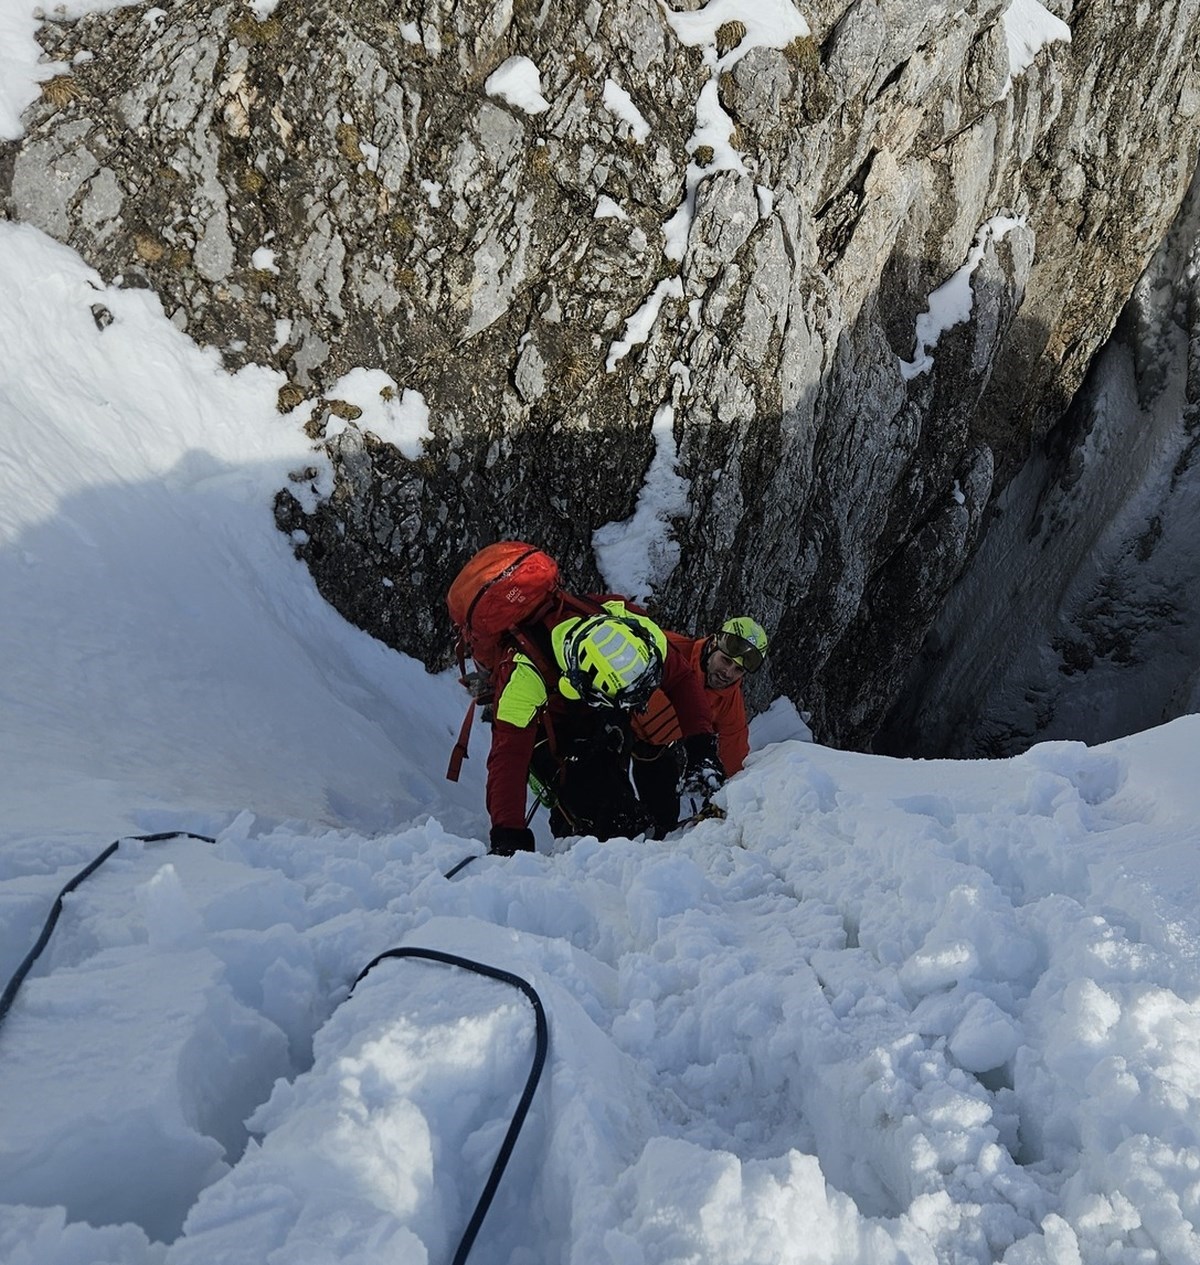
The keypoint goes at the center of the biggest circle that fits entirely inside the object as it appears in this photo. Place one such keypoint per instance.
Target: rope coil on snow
(531, 1081)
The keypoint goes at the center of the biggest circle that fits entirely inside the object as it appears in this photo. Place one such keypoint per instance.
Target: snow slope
(888, 1011)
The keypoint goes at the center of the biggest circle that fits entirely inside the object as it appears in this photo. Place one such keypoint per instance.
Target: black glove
(505, 840)
(702, 770)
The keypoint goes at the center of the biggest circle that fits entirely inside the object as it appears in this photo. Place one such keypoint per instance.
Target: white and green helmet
(611, 659)
(743, 640)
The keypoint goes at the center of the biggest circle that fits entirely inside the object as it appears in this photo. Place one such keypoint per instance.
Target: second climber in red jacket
(718, 661)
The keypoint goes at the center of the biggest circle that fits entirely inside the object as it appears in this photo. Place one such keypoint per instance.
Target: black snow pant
(656, 773)
(588, 782)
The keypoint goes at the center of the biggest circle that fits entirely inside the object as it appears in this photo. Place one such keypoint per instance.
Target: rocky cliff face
(583, 235)
(1079, 616)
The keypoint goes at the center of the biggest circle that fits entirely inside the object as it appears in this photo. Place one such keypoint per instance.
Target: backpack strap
(459, 754)
(580, 605)
(547, 669)
(515, 639)
(518, 637)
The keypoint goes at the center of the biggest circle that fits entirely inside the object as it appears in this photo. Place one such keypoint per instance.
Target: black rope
(433, 955)
(535, 1072)
(462, 865)
(10, 991)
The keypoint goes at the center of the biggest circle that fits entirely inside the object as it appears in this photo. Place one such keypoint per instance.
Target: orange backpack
(499, 596)
(502, 587)
(506, 586)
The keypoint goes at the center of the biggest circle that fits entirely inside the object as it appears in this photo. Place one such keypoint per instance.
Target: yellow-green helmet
(610, 661)
(743, 640)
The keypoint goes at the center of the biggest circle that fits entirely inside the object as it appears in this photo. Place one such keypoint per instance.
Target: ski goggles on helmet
(744, 653)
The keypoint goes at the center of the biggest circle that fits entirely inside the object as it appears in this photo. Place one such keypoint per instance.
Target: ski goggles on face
(744, 653)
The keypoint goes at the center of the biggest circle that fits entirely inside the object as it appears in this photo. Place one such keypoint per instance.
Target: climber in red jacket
(566, 719)
(720, 661)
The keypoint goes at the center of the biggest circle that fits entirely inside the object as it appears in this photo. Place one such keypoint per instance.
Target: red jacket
(659, 724)
(512, 745)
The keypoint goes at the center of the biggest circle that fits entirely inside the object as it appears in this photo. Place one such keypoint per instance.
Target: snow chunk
(1028, 27)
(768, 23)
(263, 260)
(378, 1147)
(639, 325)
(952, 302)
(19, 69)
(171, 918)
(617, 101)
(518, 82)
(985, 1037)
(607, 209)
(173, 1065)
(638, 555)
(42, 1236)
(781, 722)
(398, 418)
(714, 1207)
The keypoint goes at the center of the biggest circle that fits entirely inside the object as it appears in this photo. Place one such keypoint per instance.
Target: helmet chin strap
(710, 644)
